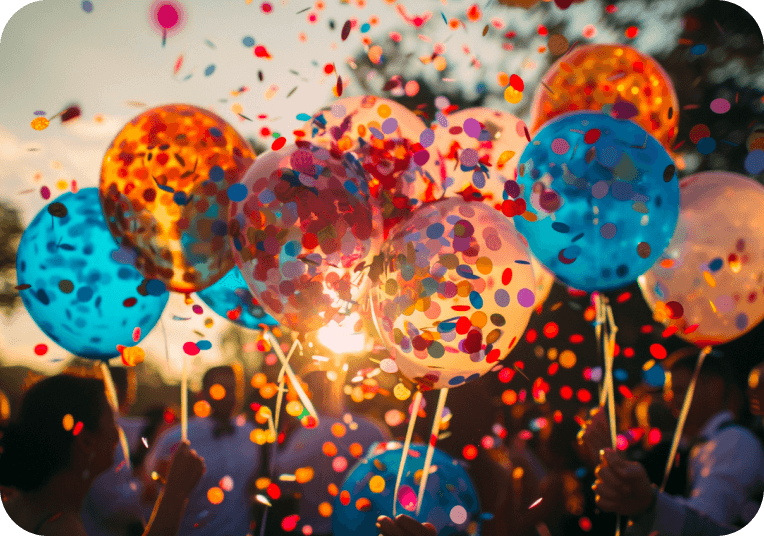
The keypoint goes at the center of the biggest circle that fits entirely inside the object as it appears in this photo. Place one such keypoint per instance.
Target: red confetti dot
(592, 135)
(675, 309)
(273, 491)
(41, 349)
(625, 391)
(646, 329)
(658, 351)
(266, 8)
(289, 523)
(566, 392)
(551, 330)
(628, 352)
(279, 143)
(345, 497)
(576, 339)
(631, 32)
(691, 329)
(506, 375)
(584, 396)
(77, 428)
(624, 297)
(506, 277)
(191, 348)
(611, 8)
(531, 335)
(129, 302)
(463, 325)
(698, 132)
(542, 30)
(669, 331)
(329, 68)
(470, 452)
(516, 82)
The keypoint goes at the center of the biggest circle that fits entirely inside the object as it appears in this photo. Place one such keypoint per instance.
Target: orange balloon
(164, 189)
(594, 76)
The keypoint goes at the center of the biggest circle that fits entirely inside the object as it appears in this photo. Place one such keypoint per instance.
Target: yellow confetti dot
(258, 436)
(377, 484)
(217, 392)
(262, 482)
(512, 96)
(484, 265)
(567, 359)
(338, 429)
(68, 422)
(202, 409)
(517, 473)
(237, 108)
(401, 392)
(479, 319)
(709, 279)
(440, 63)
(325, 509)
(304, 474)
(294, 408)
(208, 322)
(375, 54)
(504, 157)
(384, 111)
(40, 123)
(133, 355)
(268, 390)
(62, 185)
(215, 495)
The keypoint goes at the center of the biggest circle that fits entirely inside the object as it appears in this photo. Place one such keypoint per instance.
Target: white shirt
(725, 474)
(305, 448)
(234, 456)
(113, 501)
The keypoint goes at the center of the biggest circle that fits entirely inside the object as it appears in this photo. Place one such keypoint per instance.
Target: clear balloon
(597, 200)
(230, 298)
(454, 292)
(477, 153)
(629, 83)
(84, 292)
(305, 234)
(450, 501)
(384, 136)
(708, 283)
(166, 181)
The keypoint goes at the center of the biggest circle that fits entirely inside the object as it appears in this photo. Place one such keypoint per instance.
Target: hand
(595, 434)
(186, 469)
(622, 486)
(404, 526)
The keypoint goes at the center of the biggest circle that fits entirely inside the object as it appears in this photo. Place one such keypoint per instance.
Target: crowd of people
(63, 473)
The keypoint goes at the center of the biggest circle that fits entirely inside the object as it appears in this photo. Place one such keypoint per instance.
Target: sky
(110, 60)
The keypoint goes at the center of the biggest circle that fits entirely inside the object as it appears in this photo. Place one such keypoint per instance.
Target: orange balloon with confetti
(616, 78)
(165, 185)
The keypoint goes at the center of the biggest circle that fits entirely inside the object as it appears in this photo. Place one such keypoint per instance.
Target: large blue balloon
(606, 196)
(84, 293)
(450, 501)
(230, 298)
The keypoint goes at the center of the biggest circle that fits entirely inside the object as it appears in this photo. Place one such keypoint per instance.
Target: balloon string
(184, 400)
(599, 316)
(166, 347)
(290, 374)
(683, 415)
(280, 396)
(404, 454)
(111, 395)
(431, 447)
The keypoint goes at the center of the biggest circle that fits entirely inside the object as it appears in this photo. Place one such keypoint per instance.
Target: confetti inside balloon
(166, 182)
(80, 296)
(478, 151)
(450, 501)
(709, 283)
(629, 83)
(230, 298)
(386, 138)
(305, 234)
(455, 292)
(602, 200)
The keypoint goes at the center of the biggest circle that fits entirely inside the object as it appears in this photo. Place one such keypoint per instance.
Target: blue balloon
(80, 294)
(606, 196)
(230, 298)
(450, 501)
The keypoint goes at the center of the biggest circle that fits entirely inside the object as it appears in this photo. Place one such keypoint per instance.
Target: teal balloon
(606, 196)
(230, 298)
(450, 501)
(84, 293)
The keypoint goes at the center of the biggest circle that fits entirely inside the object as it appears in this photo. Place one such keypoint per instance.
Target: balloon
(708, 283)
(384, 136)
(479, 148)
(305, 234)
(166, 180)
(450, 501)
(230, 298)
(544, 281)
(84, 292)
(599, 200)
(617, 77)
(455, 292)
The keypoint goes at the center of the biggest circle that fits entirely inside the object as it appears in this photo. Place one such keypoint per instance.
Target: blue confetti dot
(237, 192)
(87, 6)
(204, 345)
(620, 374)
(654, 376)
(715, 264)
(697, 50)
(303, 117)
(180, 198)
(248, 41)
(216, 174)
(456, 380)
(155, 287)
(481, 88)
(435, 230)
(209, 70)
(706, 146)
(84, 294)
(560, 227)
(741, 321)
(365, 27)
(351, 187)
(754, 162)
(215, 132)
(476, 300)
(219, 228)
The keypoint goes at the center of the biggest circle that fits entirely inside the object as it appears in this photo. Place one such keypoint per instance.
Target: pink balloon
(305, 234)
(496, 148)
(454, 292)
(709, 282)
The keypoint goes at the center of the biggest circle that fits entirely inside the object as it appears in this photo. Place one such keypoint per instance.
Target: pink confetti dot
(136, 334)
(720, 106)
(197, 309)
(339, 464)
(560, 146)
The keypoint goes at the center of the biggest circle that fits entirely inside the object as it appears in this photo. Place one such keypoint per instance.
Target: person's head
(756, 389)
(64, 423)
(712, 393)
(223, 389)
(126, 385)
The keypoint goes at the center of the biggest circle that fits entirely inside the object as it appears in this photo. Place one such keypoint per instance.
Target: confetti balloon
(450, 501)
(599, 200)
(708, 283)
(304, 234)
(385, 137)
(618, 78)
(78, 285)
(230, 298)
(454, 294)
(166, 183)
(477, 152)
(544, 281)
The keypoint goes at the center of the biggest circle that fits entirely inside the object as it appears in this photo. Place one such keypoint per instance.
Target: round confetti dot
(215, 495)
(643, 250)
(501, 297)
(469, 158)
(377, 484)
(248, 41)
(720, 106)
(190, 348)
(87, 6)
(698, 50)
(560, 146)
(698, 132)
(608, 231)
(40, 123)
(557, 44)
(458, 514)
(526, 297)
(472, 127)
(512, 96)
(41, 349)
(389, 125)
(754, 162)
(237, 192)
(706, 145)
